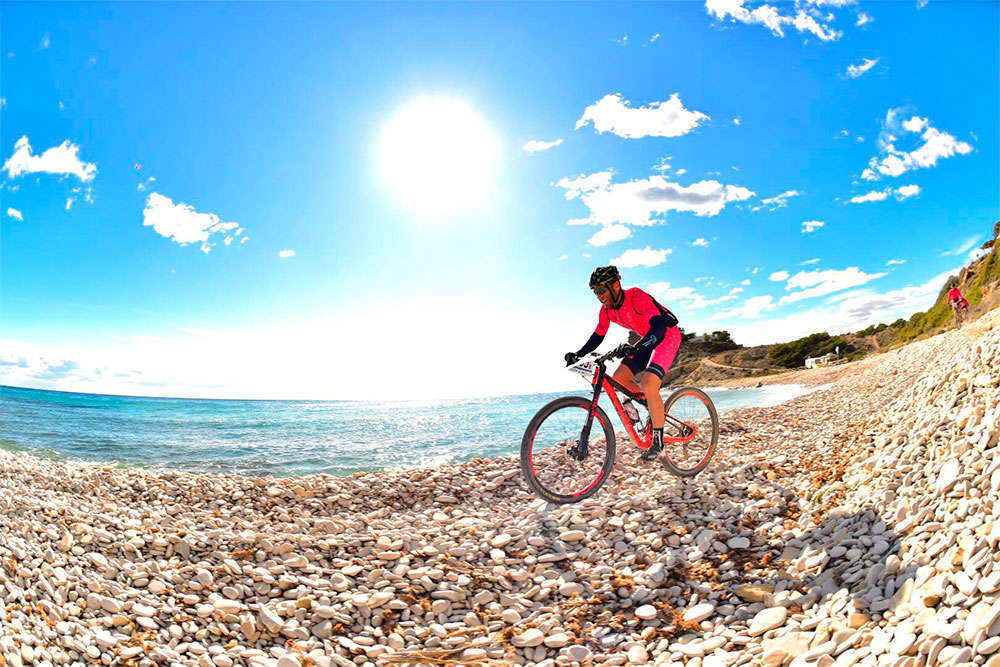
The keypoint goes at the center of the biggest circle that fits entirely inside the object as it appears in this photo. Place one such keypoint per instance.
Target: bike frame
(603, 382)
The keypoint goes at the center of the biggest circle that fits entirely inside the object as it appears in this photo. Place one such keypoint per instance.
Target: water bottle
(631, 411)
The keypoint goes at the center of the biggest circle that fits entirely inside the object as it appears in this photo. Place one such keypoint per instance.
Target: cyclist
(652, 355)
(956, 300)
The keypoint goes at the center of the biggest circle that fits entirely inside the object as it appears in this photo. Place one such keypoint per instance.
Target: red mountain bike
(563, 463)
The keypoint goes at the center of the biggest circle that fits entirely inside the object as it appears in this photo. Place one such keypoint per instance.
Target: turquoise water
(282, 438)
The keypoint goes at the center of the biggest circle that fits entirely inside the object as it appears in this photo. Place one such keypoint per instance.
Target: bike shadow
(744, 542)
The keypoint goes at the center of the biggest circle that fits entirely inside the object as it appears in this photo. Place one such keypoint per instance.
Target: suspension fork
(583, 444)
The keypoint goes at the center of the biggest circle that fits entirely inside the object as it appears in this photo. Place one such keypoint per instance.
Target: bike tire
(528, 469)
(670, 464)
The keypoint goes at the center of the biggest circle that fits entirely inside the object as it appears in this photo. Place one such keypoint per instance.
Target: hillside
(713, 358)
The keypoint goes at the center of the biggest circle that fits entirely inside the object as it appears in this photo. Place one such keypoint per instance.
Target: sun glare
(437, 155)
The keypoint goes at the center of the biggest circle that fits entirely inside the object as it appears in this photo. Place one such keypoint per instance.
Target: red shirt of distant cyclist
(954, 294)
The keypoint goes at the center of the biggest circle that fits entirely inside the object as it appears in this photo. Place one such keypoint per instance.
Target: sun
(437, 155)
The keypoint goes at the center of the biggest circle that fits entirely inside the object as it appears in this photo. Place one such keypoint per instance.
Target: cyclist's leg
(659, 363)
(650, 384)
(626, 375)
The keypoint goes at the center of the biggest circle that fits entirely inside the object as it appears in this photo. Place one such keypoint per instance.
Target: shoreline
(787, 542)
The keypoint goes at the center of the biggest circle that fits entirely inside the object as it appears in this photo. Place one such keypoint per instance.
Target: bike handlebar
(621, 351)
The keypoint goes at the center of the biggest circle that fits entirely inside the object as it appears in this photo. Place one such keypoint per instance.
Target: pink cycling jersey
(637, 309)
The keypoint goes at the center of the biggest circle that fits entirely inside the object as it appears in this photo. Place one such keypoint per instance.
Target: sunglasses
(600, 289)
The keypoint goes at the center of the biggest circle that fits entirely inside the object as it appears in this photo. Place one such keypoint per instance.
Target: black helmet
(603, 275)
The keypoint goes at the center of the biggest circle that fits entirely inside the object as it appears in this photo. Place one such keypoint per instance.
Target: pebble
(699, 612)
(767, 619)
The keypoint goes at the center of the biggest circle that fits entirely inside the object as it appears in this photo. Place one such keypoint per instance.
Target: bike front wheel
(557, 461)
(690, 432)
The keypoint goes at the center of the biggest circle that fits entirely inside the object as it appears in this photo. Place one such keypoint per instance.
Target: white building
(825, 360)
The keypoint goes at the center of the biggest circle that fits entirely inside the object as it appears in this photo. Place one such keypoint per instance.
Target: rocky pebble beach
(855, 525)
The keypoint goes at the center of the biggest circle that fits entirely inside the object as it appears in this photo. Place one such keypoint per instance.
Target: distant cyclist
(956, 300)
(637, 311)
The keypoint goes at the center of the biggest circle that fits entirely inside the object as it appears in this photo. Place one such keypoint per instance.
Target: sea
(284, 438)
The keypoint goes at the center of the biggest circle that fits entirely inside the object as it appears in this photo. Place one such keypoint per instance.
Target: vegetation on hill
(793, 354)
(978, 282)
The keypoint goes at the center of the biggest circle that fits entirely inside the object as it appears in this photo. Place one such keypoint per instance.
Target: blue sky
(698, 145)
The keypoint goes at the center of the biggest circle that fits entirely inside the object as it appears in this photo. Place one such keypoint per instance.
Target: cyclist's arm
(592, 343)
(657, 332)
(659, 322)
(596, 338)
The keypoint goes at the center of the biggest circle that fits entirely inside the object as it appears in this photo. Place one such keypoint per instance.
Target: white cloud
(63, 159)
(810, 226)
(685, 297)
(876, 195)
(283, 254)
(623, 41)
(964, 247)
(922, 3)
(69, 203)
(937, 145)
(863, 19)
(45, 43)
(681, 172)
(14, 213)
(777, 201)
(641, 201)
(893, 262)
(753, 307)
(610, 234)
(832, 3)
(534, 145)
(819, 283)
(745, 281)
(737, 121)
(182, 224)
(778, 276)
(854, 71)
(654, 38)
(585, 183)
(641, 257)
(562, 257)
(772, 19)
(660, 119)
(901, 193)
(700, 242)
(814, 260)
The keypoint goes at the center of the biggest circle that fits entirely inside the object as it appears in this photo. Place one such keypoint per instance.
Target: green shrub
(793, 354)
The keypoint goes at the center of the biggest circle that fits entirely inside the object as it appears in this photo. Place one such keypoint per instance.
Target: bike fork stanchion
(582, 447)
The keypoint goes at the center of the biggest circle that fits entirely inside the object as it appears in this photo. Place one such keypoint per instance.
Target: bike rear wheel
(553, 462)
(694, 421)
